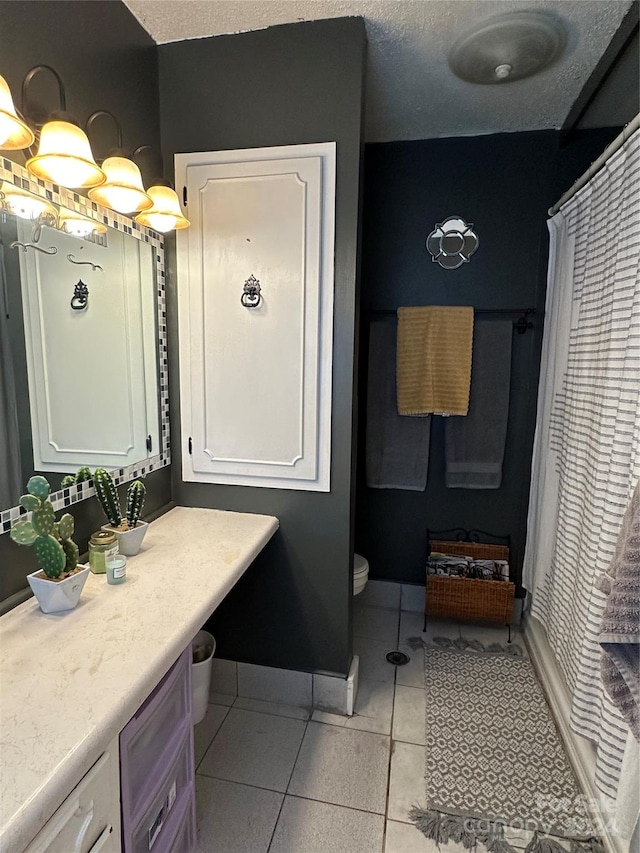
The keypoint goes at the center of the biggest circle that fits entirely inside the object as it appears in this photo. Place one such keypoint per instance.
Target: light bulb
(162, 222)
(503, 71)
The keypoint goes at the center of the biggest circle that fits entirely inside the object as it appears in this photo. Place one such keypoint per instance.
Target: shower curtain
(587, 448)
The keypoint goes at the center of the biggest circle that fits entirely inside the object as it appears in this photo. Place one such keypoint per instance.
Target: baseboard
(579, 750)
(331, 693)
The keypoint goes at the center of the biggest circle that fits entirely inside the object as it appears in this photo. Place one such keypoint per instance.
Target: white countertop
(70, 682)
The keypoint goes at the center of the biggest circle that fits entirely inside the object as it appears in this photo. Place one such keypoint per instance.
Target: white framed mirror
(83, 361)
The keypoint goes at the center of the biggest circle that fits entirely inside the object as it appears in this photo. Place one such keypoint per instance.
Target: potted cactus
(129, 530)
(73, 479)
(60, 580)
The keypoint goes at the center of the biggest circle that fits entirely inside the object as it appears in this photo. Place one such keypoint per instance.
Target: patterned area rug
(493, 756)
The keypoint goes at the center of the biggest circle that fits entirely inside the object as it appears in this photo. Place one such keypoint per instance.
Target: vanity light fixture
(165, 215)
(123, 190)
(64, 154)
(64, 157)
(14, 132)
(78, 225)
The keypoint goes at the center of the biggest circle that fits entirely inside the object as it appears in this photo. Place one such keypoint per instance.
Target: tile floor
(276, 778)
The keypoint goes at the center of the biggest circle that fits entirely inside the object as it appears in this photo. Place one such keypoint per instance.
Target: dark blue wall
(504, 184)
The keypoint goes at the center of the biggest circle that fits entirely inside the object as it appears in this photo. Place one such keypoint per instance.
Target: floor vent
(398, 658)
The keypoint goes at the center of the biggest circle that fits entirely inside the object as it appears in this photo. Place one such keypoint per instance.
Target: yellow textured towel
(433, 361)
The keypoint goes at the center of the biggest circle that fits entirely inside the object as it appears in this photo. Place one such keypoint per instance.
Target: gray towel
(397, 447)
(620, 629)
(475, 443)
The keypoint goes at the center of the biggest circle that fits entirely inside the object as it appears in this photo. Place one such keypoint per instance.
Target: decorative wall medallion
(452, 242)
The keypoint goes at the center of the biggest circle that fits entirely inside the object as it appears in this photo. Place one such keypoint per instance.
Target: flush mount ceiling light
(123, 190)
(14, 132)
(508, 47)
(64, 154)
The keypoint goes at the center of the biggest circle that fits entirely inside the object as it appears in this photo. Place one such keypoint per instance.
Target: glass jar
(116, 569)
(102, 545)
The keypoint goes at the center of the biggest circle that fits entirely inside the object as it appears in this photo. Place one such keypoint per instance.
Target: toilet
(360, 573)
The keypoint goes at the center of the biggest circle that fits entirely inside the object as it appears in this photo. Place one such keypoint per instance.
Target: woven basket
(468, 598)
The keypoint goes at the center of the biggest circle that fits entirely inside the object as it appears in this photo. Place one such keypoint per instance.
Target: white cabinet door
(89, 819)
(92, 372)
(256, 381)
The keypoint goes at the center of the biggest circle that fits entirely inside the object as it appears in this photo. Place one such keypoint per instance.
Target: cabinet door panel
(256, 381)
(89, 819)
(92, 382)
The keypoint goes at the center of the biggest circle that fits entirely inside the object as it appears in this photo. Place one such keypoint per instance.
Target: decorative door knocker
(80, 296)
(251, 293)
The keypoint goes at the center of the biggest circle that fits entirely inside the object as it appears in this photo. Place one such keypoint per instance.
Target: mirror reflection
(78, 354)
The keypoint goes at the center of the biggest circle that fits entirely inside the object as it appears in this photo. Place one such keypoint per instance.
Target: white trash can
(203, 647)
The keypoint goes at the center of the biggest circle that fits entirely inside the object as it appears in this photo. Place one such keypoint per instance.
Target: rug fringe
(461, 644)
(541, 843)
(443, 828)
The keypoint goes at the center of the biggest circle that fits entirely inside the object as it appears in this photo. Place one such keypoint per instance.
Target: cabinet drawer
(89, 819)
(157, 827)
(149, 739)
(185, 840)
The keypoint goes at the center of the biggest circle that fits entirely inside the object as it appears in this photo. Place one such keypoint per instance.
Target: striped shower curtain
(587, 448)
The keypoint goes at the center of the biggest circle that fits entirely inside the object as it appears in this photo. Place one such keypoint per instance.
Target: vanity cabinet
(117, 681)
(89, 819)
(255, 293)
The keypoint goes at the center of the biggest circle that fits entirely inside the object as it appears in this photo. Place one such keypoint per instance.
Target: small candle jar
(116, 569)
(102, 546)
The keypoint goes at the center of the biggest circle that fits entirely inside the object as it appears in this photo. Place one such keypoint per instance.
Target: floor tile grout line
(293, 767)
(273, 713)
(393, 710)
(268, 713)
(322, 802)
(227, 709)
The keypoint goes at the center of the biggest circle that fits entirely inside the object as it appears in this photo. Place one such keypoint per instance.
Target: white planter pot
(129, 541)
(56, 596)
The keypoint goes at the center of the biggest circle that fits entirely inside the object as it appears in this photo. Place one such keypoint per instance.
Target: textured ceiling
(411, 92)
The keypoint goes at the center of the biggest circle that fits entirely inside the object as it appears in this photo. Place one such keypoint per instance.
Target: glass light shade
(14, 133)
(23, 204)
(78, 225)
(64, 157)
(123, 190)
(165, 215)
